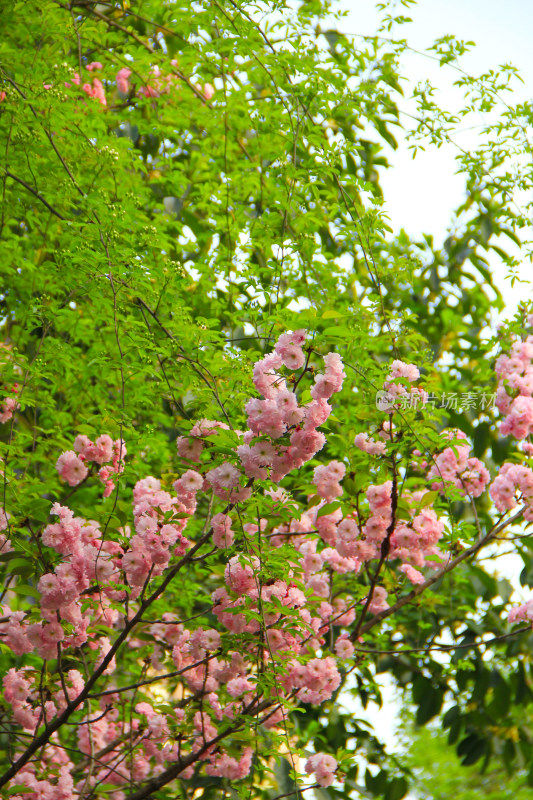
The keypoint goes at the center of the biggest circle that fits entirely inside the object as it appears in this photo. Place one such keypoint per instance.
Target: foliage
(439, 774)
(182, 184)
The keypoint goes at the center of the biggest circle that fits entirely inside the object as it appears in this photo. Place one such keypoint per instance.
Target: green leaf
(328, 508)
(26, 590)
(428, 499)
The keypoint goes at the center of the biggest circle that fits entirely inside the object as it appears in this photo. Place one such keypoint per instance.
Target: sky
(421, 193)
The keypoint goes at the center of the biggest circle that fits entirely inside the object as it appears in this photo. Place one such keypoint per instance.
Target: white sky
(420, 194)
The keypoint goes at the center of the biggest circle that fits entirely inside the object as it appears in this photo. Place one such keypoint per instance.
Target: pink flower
(519, 422)
(4, 519)
(240, 575)
(378, 602)
(265, 377)
(368, 445)
(344, 648)
(292, 356)
(84, 447)
(189, 447)
(123, 84)
(307, 443)
(331, 381)
(98, 91)
(413, 574)
(238, 686)
(71, 468)
(316, 413)
(192, 480)
(9, 407)
(222, 533)
(379, 498)
(399, 369)
(323, 766)
(523, 613)
(103, 449)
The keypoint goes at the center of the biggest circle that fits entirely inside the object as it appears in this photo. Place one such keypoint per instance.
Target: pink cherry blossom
(71, 468)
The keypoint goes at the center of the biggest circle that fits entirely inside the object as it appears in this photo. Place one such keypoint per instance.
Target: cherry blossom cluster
(94, 89)
(109, 454)
(54, 764)
(10, 403)
(327, 479)
(515, 389)
(9, 407)
(323, 766)
(298, 624)
(279, 413)
(522, 613)
(412, 539)
(275, 417)
(513, 483)
(454, 467)
(399, 378)
(157, 84)
(369, 445)
(86, 560)
(158, 529)
(94, 571)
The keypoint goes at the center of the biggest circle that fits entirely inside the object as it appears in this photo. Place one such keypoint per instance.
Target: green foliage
(437, 773)
(153, 248)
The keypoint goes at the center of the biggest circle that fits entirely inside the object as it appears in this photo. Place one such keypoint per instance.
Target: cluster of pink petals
(160, 519)
(513, 481)
(413, 541)
(453, 466)
(22, 695)
(123, 83)
(8, 409)
(109, 454)
(368, 445)
(222, 533)
(190, 447)
(315, 681)
(344, 649)
(408, 373)
(4, 522)
(88, 560)
(94, 89)
(327, 479)
(289, 621)
(522, 613)
(61, 787)
(158, 83)
(515, 389)
(323, 766)
(225, 766)
(71, 468)
(277, 415)
(225, 481)
(413, 574)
